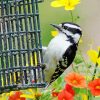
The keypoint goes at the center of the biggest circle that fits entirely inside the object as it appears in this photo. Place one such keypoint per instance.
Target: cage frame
(15, 73)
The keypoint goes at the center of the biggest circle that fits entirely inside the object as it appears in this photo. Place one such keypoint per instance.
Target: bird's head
(71, 30)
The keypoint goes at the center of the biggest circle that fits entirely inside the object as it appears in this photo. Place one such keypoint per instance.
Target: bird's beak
(56, 26)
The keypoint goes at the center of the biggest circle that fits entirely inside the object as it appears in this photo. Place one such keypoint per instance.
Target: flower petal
(93, 55)
(94, 87)
(28, 96)
(74, 2)
(69, 89)
(65, 95)
(57, 4)
(54, 33)
(76, 80)
(84, 97)
(68, 7)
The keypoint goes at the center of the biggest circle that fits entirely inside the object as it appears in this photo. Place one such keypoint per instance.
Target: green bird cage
(21, 60)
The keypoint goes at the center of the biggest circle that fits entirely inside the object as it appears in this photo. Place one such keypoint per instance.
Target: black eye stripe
(74, 30)
(65, 27)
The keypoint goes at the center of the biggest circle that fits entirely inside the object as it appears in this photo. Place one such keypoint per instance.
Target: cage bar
(21, 60)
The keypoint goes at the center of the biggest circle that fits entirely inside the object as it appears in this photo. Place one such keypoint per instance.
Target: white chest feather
(56, 49)
(58, 46)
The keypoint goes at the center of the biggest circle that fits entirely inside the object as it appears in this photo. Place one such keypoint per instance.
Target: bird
(61, 50)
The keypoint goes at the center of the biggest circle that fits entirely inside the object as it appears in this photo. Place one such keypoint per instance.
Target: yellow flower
(84, 97)
(54, 33)
(32, 94)
(68, 4)
(93, 55)
(4, 96)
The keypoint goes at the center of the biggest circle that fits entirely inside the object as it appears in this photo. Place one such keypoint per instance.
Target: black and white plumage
(61, 50)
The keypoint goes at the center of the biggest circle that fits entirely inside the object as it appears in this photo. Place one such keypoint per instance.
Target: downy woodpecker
(61, 50)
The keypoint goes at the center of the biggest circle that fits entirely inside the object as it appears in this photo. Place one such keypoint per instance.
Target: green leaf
(59, 80)
(78, 59)
(77, 90)
(78, 97)
(46, 96)
(83, 91)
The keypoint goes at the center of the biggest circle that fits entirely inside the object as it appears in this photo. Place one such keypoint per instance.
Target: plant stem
(94, 71)
(82, 57)
(71, 16)
(95, 67)
(86, 72)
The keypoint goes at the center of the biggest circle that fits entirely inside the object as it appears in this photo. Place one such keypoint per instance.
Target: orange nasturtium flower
(65, 95)
(68, 4)
(94, 87)
(16, 96)
(69, 88)
(93, 55)
(76, 80)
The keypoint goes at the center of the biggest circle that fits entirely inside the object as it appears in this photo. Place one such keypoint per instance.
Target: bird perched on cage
(61, 50)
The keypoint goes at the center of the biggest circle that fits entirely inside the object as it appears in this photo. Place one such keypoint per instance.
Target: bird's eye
(66, 27)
